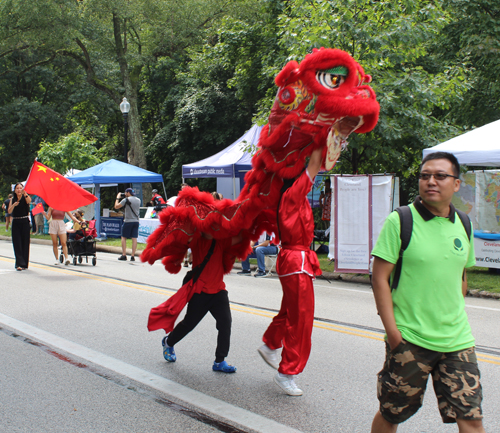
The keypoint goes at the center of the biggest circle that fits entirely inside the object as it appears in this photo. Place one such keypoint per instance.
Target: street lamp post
(125, 108)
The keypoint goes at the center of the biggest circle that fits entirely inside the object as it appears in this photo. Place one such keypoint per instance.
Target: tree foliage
(199, 72)
(391, 39)
(215, 95)
(472, 37)
(72, 151)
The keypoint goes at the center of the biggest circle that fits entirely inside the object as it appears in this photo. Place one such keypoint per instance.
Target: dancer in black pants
(19, 207)
(199, 305)
(210, 296)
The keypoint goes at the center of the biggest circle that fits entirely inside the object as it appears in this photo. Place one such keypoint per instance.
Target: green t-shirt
(429, 306)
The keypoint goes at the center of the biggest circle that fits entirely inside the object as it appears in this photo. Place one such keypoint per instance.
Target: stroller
(84, 244)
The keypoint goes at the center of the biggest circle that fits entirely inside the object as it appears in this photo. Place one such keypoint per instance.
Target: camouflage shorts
(401, 383)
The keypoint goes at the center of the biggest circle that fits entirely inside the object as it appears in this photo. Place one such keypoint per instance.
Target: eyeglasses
(437, 176)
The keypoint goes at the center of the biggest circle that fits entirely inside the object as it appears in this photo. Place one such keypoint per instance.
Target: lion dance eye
(332, 78)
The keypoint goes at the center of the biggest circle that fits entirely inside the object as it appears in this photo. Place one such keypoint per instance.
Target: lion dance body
(318, 104)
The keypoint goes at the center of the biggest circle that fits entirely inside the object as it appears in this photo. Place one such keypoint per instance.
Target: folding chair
(270, 262)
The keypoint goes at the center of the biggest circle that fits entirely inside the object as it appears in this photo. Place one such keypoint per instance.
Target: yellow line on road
(67, 271)
(249, 310)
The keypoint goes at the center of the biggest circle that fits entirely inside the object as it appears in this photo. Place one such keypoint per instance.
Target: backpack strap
(465, 221)
(130, 205)
(195, 273)
(406, 225)
(406, 228)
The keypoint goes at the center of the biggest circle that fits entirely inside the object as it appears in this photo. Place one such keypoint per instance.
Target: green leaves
(72, 151)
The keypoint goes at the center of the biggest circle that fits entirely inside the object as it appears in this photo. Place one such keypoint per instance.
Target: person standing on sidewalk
(427, 330)
(130, 227)
(8, 216)
(39, 216)
(296, 267)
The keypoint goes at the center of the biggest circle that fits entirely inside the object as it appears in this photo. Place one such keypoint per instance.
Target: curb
(348, 278)
(476, 293)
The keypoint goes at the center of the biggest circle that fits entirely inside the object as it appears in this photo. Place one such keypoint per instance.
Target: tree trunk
(136, 154)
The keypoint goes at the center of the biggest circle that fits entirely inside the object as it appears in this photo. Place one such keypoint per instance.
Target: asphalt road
(75, 356)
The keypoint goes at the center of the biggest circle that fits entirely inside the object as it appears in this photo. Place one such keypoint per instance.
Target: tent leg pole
(97, 210)
(164, 190)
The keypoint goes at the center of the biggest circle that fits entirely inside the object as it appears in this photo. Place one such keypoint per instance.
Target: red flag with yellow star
(57, 191)
(37, 209)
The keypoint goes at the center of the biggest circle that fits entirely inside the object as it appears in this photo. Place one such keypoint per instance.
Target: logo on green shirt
(457, 243)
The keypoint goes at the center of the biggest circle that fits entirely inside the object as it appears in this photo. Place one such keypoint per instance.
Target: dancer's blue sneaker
(168, 352)
(223, 367)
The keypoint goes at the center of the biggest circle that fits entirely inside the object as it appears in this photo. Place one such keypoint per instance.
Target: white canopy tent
(479, 147)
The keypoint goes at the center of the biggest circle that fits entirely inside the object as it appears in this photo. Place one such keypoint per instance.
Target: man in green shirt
(424, 317)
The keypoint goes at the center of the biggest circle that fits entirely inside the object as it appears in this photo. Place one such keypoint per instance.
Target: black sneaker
(132, 259)
(122, 258)
(243, 272)
(260, 274)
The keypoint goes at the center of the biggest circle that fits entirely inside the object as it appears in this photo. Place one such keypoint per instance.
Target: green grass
(478, 278)
(483, 279)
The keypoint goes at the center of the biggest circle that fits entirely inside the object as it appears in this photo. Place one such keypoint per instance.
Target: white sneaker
(287, 384)
(67, 262)
(270, 356)
(57, 263)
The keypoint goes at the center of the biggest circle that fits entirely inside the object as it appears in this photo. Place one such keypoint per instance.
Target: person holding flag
(19, 208)
(62, 195)
(37, 214)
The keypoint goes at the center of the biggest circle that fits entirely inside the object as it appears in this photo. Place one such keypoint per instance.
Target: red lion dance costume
(318, 104)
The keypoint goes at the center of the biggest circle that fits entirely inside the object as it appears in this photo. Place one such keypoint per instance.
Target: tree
(45, 102)
(111, 40)
(392, 40)
(72, 151)
(211, 101)
(472, 37)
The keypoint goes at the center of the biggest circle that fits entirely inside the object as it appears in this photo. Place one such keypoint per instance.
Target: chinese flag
(37, 209)
(57, 191)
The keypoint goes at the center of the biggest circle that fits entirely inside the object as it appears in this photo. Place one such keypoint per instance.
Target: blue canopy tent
(231, 163)
(113, 172)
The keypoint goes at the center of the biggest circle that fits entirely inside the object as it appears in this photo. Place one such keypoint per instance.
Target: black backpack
(406, 224)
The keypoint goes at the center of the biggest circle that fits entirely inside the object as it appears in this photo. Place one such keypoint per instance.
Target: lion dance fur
(318, 104)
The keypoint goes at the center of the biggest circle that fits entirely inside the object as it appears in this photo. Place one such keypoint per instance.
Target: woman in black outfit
(19, 207)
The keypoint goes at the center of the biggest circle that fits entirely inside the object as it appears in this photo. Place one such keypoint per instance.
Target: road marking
(248, 310)
(366, 292)
(482, 308)
(347, 330)
(65, 270)
(219, 408)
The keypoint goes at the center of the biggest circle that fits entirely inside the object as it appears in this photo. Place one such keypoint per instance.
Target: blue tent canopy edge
(112, 171)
